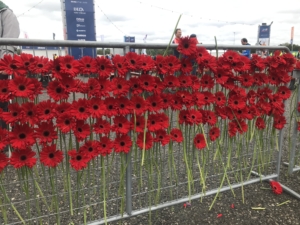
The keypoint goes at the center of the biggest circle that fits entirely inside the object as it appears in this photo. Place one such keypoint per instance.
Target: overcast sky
(228, 20)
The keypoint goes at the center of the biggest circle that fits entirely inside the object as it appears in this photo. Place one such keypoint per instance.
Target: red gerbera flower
(183, 116)
(153, 123)
(209, 98)
(176, 102)
(186, 98)
(93, 87)
(221, 76)
(104, 67)
(137, 123)
(21, 136)
(5, 94)
(23, 62)
(201, 54)
(123, 106)
(87, 65)
(160, 63)
(246, 80)
(57, 91)
(24, 157)
(14, 113)
(186, 66)
(133, 60)
(207, 81)
(4, 141)
(21, 87)
(121, 125)
(199, 99)
(260, 123)
(81, 130)
(3, 161)
(120, 64)
(110, 104)
(214, 133)
(78, 160)
(284, 92)
(194, 117)
(80, 109)
(155, 103)
(65, 122)
(37, 88)
(45, 132)
(146, 82)
(167, 100)
(46, 110)
(105, 146)
(176, 135)
(236, 102)
(171, 81)
(122, 143)
(69, 83)
(162, 137)
(158, 86)
(96, 108)
(62, 107)
(139, 105)
(50, 156)
(199, 141)
(220, 98)
(172, 64)
(135, 86)
(276, 187)
(279, 122)
(102, 126)
(209, 117)
(29, 113)
(148, 141)
(187, 46)
(10, 66)
(90, 149)
(147, 63)
(120, 86)
(40, 66)
(69, 66)
(185, 81)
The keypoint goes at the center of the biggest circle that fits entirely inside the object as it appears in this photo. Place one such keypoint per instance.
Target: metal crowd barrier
(138, 195)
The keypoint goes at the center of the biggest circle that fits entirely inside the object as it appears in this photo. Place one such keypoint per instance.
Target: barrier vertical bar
(128, 162)
(295, 131)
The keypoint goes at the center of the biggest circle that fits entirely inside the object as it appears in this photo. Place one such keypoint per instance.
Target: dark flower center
(95, 107)
(110, 107)
(23, 157)
(198, 141)
(88, 65)
(26, 64)
(46, 133)
(13, 66)
(47, 111)
(236, 102)
(67, 122)
(29, 113)
(4, 90)
(78, 158)
(175, 135)
(135, 86)
(79, 129)
(15, 114)
(138, 106)
(103, 145)
(122, 143)
(146, 83)
(153, 104)
(119, 86)
(122, 106)
(58, 90)
(22, 136)
(68, 66)
(152, 122)
(22, 88)
(40, 65)
(90, 149)
(120, 125)
(170, 64)
(102, 67)
(51, 155)
(81, 109)
(101, 126)
(132, 61)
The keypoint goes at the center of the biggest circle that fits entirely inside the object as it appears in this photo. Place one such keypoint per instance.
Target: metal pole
(128, 161)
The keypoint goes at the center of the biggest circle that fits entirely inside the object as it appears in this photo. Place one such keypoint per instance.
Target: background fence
(164, 179)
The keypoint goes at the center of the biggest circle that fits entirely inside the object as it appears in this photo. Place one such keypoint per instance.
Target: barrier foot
(285, 188)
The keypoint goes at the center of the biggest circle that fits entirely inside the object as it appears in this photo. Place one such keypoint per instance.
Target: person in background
(178, 34)
(194, 71)
(9, 28)
(298, 54)
(195, 36)
(246, 52)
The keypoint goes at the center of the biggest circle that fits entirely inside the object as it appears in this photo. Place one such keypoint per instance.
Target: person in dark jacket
(246, 52)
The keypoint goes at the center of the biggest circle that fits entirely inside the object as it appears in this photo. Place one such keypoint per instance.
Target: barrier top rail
(96, 44)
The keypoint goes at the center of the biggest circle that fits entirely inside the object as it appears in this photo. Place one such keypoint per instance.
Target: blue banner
(130, 39)
(264, 32)
(80, 25)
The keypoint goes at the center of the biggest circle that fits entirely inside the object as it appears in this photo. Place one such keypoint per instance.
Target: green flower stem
(103, 188)
(224, 176)
(69, 184)
(144, 138)
(283, 203)
(201, 125)
(202, 180)
(11, 204)
(186, 164)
